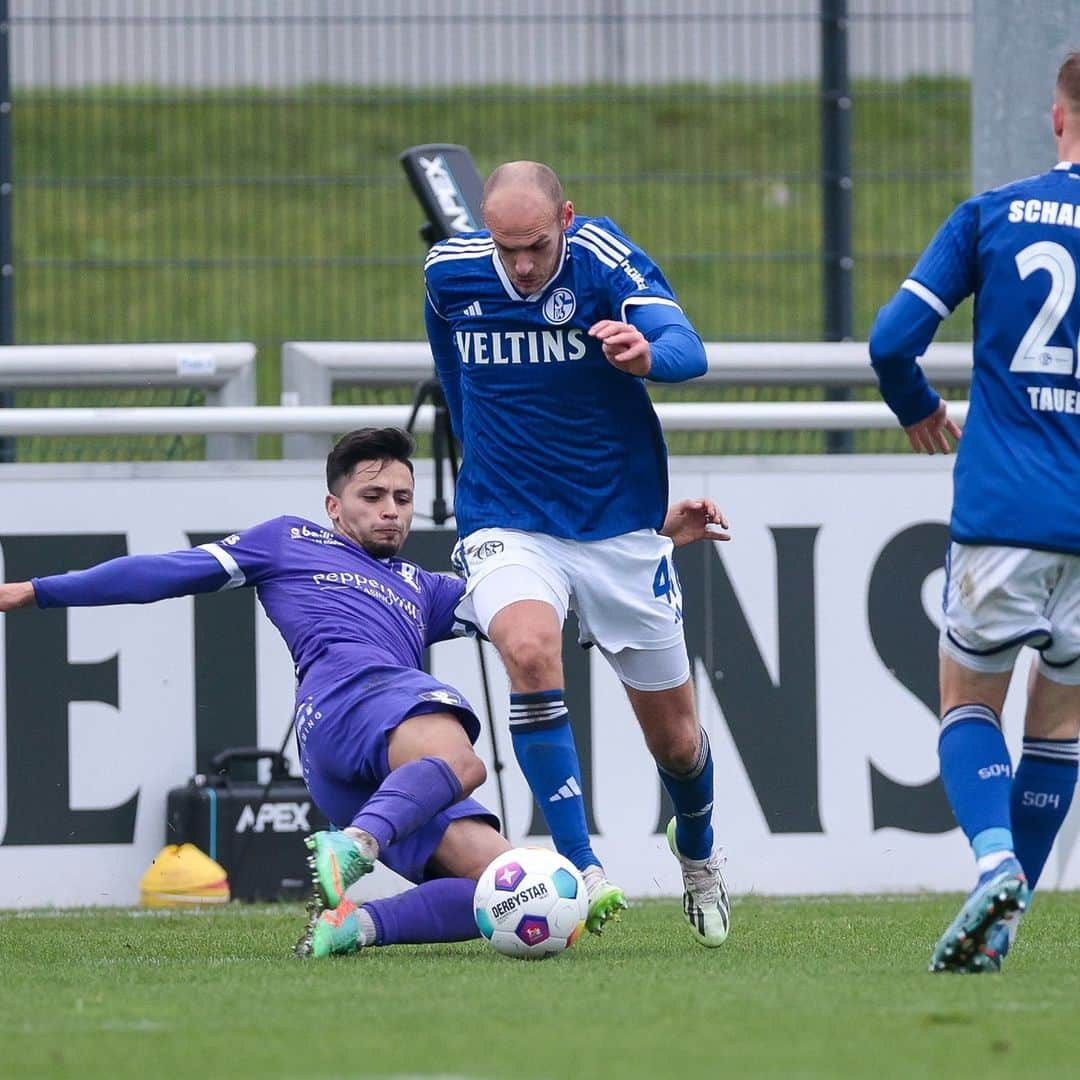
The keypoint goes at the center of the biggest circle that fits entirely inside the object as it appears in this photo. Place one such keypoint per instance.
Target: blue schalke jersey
(1017, 248)
(339, 609)
(555, 439)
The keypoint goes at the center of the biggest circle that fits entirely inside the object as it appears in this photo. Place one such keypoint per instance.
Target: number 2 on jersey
(1034, 353)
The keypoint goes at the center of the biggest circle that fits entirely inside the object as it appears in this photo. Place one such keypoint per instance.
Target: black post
(836, 184)
(7, 251)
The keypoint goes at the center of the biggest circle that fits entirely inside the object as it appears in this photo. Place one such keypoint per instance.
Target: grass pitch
(804, 988)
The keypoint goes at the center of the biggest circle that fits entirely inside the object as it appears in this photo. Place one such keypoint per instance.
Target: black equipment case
(255, 831)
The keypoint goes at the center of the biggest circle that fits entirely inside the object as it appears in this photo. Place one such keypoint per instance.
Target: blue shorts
(343, 734)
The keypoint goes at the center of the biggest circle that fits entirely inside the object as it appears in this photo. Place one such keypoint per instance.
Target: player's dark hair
(1068, 82)
(366, 444)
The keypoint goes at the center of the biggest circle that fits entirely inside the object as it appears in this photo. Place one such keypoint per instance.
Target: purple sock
(407, 799)
(436, 910)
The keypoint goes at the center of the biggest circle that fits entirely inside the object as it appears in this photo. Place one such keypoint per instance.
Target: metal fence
(228, 170)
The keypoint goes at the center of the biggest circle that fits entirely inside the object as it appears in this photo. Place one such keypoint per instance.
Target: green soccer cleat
(330, 933)
(706, 906)
(970, 944)
(336, 862)
(606, 901)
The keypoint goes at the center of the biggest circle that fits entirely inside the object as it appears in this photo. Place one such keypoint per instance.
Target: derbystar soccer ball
(531, 903)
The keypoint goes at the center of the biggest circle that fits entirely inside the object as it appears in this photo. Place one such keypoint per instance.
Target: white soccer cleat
(705, 898)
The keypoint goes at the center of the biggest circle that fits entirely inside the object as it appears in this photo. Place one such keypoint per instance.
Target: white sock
(993, 860)
(594, 877)
(367, 926)
(368, 845)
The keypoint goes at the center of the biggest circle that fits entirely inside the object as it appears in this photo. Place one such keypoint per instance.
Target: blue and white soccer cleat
(999, 939)
(965, 946)
(706, 906)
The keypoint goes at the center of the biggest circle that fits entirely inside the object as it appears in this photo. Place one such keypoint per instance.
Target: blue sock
(544, 747)
(977, 775)
(1042, 792)
(692, 796)
(408, 799)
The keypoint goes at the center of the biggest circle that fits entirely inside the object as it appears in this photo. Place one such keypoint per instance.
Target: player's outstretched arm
(931, 435)
(130, 579)
(16, 594)
(694, 519)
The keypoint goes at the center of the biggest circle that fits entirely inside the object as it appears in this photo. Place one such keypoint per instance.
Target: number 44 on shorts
(665, 583)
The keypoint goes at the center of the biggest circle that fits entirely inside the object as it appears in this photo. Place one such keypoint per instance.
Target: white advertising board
(813, 637)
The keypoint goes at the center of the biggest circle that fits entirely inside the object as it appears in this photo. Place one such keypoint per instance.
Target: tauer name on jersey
(520, 346)
(1053, 399)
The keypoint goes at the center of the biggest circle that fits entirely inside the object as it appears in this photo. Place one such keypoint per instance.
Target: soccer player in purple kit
(1013, 565)
(544, 327)
(386, 749)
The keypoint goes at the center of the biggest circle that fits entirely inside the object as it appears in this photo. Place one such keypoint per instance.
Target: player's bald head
(515, 183)
(1068, 84)
(526, 213)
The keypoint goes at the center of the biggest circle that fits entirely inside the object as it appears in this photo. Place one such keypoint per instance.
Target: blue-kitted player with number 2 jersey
(1013, 567)
(544, 328)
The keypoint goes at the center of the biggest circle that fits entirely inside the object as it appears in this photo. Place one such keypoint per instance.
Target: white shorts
(624, 590)
(998, 599)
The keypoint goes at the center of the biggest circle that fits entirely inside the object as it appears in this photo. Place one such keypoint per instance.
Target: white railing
(311, 369)
(323, 420)
(225, 370)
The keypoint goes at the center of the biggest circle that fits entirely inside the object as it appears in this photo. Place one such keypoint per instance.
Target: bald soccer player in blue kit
(545, 328)
(1013, 564)
(386, 749)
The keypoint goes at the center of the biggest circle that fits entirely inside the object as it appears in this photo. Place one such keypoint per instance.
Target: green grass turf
(803, 988)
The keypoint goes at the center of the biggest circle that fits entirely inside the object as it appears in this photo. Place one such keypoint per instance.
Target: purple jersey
(339, 609)
(356, 627)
